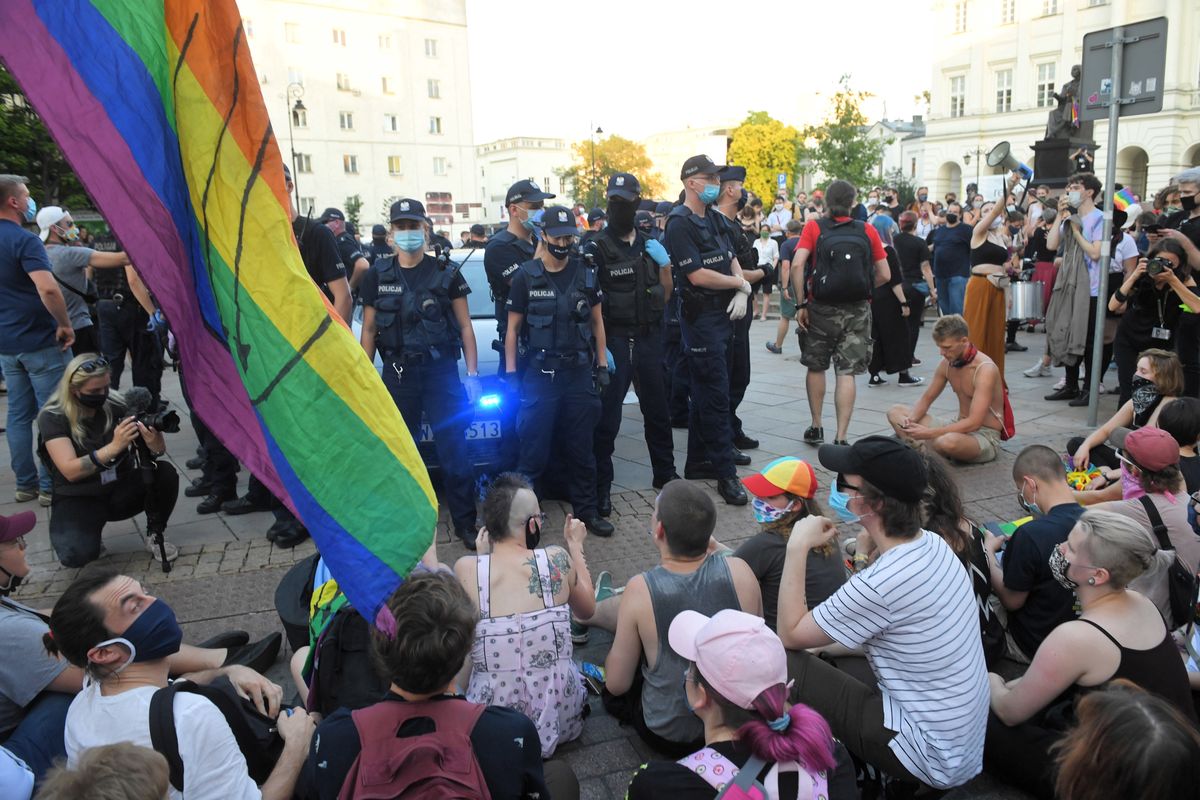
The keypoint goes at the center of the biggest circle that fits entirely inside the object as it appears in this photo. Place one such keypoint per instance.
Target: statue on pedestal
(1064, 120)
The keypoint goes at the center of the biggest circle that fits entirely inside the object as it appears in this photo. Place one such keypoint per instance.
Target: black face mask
(1187, 203)
(621, 213)
(557, 251)
(13, 582)
(95, 401)
(951, 219)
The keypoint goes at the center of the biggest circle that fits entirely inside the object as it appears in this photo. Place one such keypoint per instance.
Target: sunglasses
(92, 365)
(843, 486)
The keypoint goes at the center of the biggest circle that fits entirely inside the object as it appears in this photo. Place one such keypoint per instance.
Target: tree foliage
(613, 154)
(765, 147)
(839, 147)
(354, 206)
(27, 149)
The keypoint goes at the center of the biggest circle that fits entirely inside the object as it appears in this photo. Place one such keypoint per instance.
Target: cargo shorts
(840, 334)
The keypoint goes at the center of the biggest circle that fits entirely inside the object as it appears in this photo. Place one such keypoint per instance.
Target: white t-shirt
(213, 766)
(16, 779)
(914, 615)
(768, 251)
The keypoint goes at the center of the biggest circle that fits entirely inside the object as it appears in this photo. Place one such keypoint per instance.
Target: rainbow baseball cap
(786, 475)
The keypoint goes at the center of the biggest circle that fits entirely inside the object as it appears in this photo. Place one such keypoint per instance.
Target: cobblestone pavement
(227, 572)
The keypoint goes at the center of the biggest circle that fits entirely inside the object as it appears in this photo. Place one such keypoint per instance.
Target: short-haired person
(737, 685)
(912, 613)
(1119, 634)
(123, 639)
(435, 630)
(974, 436)
(121, 771)
(787, 292)
(643, 674)
(917, 273)
(1034, 602)
(951, 248)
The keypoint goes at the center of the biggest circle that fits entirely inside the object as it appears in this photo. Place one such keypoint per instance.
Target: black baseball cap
(408, 209)
(623, 185)
(595, 214)
(732, 173)
(643, 219)
(891, 466)
(378, 230)
(526, 192)
(332, 213)
(663, 208)
(699, 165)
(558, 221)
(477, 230)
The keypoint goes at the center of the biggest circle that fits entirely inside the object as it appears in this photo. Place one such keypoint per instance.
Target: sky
(637, 67)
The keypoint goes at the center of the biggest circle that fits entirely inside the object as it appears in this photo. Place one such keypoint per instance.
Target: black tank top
(1159, 670)
(989, 253)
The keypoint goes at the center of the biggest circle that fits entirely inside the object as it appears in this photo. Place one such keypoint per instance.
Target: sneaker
(152, 548)
(579, 632)
(813, 435)
(1062, 383)
(1038, 370)
(909, 380)
(876, 381)
(841, 442)
(604, 587)
(25, 495)
(774, 348)
(1105, 390)
(46, 498)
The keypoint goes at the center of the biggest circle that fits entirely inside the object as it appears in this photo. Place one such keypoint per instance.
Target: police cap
(596, 214)
(332, 213)
(623, 185)
(408, 209)
(525, 192)
(663, 208)
(698, 165)
(732, 173)
(558, 221)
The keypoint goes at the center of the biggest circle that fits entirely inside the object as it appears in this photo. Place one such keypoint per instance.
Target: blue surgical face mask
(532, 217)
(764, 512)
(152, 636)
(409, 241)
(30, 210)
(709, 194)
(839, 501)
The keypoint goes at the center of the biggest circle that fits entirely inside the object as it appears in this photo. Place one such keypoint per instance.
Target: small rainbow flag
(157, 107)
(1123, 199)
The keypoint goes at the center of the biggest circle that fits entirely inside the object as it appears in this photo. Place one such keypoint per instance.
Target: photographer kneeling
(102, 461)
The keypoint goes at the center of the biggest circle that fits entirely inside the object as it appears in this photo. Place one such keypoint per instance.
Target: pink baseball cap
(17, 525)
(736, 652)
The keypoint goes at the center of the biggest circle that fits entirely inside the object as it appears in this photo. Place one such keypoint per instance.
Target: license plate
(488, 429)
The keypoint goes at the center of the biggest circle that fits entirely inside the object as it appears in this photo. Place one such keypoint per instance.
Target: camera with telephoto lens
(141, 406)
(1156, 266)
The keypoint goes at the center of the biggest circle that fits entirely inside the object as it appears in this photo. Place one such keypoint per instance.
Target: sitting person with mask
(124, 640)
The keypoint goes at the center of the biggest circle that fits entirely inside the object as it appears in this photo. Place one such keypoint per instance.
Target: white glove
(745, 287)
(737, 306)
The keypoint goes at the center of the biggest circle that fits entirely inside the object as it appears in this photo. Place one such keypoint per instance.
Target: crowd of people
(903, 661)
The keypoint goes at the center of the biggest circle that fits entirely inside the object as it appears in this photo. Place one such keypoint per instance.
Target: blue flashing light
(489, 401)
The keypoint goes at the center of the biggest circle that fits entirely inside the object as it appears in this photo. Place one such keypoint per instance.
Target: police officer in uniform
(634, 274)
(379, 247)
(125, 326)
(554, 314)
(660, 220)
(415, 313)
(674, 365)
(713, 293)
(349, 249)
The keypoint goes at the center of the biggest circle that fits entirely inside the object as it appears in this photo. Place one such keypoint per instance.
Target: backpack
(843, 270)
(432, 765)
(1181, 582)
(256, 734)
(732, 783)
(343, 675)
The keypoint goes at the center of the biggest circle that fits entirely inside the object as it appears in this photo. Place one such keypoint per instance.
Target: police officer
(349, 249)
(713, 293)
(554, 313)
(477, 237)
(674, 366)
(379, 247)
(660, 220)
(415, 313)
(126, 326)
(596, 219)
(634, 274)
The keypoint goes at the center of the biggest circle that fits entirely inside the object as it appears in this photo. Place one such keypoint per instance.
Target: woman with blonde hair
(99, 457)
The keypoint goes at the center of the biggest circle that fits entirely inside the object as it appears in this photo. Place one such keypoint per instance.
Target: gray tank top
(707, 590)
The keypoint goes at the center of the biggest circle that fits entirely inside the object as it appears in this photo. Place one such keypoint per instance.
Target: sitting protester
(123, 639)
(1181, 419)
(784, 493)
(16, 778)
(435, 630)
(737, 685)
(911, 612)
(121, 770)
(525, 594)
(1120, 634)
(92, 446)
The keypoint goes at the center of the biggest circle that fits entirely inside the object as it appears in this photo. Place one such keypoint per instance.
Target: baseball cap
(17, 525)
(783, 476)
(698, 165)
(48, 217)
(623, 185)
(478, 230)
(525, 192)
(331, 213)
(738, 655)
(663, 208)
(1132, 214)
(378, 230)
(890, 465)
(408, 209)
(732, 173)
(287, 172)
(558, 221)
(596, 214)
(1150, 448)
(643, 219)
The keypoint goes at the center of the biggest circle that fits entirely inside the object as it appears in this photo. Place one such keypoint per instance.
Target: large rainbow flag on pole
(156, 105)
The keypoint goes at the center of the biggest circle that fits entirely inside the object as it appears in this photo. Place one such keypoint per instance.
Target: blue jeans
(38, 739)
(31, 379)
(951, 294)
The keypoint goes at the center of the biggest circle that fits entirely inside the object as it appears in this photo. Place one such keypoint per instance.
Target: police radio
(442, 256)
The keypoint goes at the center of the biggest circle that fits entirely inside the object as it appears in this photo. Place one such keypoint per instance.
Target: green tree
(385, 211)
(354, 206)
(765, 147)
(906, 190)
(612, 154)
(27, 149)
(839, 147)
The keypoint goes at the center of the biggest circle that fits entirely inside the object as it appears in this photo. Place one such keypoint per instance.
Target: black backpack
(343, 675)
(842, 268)
(1181, 582)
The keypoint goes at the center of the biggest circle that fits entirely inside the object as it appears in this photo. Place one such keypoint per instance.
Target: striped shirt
(913, 614)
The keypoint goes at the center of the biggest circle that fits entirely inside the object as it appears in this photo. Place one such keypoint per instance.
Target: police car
(485, 432)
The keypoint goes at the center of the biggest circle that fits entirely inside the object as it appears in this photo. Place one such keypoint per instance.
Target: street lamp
(294, 90)
(977, 152)
(592, 191)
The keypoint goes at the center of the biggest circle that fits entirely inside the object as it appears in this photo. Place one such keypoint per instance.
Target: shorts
(787, 306)
(988, 440)
(840, 334)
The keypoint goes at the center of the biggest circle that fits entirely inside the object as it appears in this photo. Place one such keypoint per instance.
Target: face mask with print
(1058, 568)
(839, 501)
(764, 512)
(70, 234)
(558, 251)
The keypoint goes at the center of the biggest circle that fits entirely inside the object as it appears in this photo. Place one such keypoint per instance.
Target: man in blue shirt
(951, 246)
(35, 333)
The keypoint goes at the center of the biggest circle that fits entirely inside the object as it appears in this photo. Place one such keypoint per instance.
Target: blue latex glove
(656, 251)
(157, 321)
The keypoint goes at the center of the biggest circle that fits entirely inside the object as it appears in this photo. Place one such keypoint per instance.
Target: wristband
(95, 460)
(1121, 296)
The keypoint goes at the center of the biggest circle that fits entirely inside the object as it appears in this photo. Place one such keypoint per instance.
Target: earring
(1091, 581)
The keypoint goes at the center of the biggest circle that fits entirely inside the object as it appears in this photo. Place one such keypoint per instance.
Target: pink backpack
(732, 783)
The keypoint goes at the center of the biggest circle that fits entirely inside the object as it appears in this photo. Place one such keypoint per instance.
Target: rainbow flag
(156, 105)
(1123, 199)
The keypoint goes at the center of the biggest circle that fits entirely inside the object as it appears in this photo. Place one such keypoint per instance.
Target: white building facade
(385, 97)
(502, 163)
(1003, 58)
(669, 149)
(903, 147)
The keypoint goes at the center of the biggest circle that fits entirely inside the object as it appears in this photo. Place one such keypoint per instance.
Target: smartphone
(1154, 228)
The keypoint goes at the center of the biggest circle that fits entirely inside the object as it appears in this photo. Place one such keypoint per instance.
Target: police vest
(633, 295)
(500, 288)
(716, 252)
(557, 322)
(415, 319)
(110, 283)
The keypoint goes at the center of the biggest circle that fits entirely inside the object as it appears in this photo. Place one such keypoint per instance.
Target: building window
(1008, 12)
(912, 169)
(1094, 3)
(385, 41)
(958, 95)
(343, 82)
(431, 48)
(248, 27)
(339, 37)
(435, 125)
(350, 164)
(303, 162)
(291, 33)
(1004, 79)
(439, 165)
(1049, 7)
(295, 76)
(387, 86)
(434, 87)
(391, 123)
(307, 206)
(960, 16)
(1045, 84)
(300, 117)
(346, 120)
(394, 165)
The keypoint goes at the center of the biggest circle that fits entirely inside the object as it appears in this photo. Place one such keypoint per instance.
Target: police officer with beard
(349, 249)
(634, 273)
(713, 294)
(415, 312)
(554, 311)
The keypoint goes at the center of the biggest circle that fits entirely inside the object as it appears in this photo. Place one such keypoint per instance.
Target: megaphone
(1001, 156)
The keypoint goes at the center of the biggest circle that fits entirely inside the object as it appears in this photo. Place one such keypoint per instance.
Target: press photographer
(102, 457)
